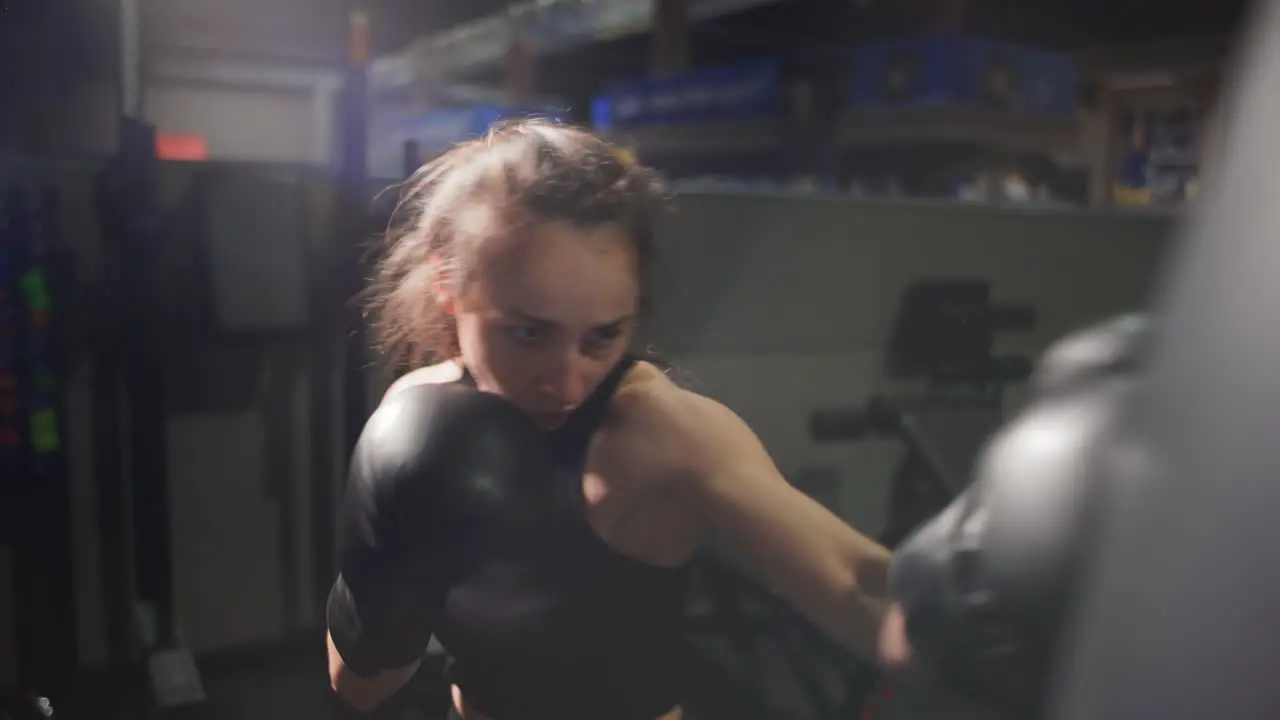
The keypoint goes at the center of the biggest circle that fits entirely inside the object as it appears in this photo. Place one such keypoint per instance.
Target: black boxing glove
(1110, 349)
(441, 475)
(986, 585)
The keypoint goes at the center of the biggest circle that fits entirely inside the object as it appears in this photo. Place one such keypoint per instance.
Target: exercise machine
(141, 616)
(943, 335)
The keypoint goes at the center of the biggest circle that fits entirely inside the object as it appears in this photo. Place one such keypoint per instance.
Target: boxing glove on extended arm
(440, 475)
(987, 584)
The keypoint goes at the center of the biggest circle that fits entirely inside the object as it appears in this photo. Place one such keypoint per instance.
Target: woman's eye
(525, 333)
(603, 338)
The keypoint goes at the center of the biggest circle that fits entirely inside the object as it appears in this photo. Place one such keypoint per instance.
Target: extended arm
(830, 572)
(365, 694)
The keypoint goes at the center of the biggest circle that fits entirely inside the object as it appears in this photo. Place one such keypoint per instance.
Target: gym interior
(191, 196)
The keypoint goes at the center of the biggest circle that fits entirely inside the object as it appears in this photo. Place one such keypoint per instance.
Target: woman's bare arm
(365, 694)
(831, 573)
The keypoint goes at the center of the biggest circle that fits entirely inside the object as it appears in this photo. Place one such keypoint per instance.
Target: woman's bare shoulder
(445, 372)
(645, 390)
(653, 411)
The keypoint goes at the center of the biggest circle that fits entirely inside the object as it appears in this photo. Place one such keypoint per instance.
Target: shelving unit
(966, 126)
(34, 483)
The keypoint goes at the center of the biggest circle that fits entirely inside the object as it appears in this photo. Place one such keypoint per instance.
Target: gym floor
(774, 672)
(764, 682)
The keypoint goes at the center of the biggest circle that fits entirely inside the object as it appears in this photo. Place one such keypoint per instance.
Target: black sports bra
(580, 633)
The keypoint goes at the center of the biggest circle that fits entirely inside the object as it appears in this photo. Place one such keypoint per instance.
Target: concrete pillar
(131, 58)
(1207, 93)
(521, 70)
(1101, 145)
(670, 54)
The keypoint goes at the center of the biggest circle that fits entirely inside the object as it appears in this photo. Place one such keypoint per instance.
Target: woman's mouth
(549, 421)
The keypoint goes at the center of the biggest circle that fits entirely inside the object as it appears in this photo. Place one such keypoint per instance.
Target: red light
(183, 148)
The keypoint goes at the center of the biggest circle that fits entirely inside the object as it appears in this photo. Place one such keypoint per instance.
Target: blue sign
(740, 92)
(1044, 82)
(952, 69)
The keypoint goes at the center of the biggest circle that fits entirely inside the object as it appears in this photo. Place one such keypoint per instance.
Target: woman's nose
(566, 384)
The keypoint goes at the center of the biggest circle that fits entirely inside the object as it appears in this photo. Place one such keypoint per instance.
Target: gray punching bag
(1180, 617)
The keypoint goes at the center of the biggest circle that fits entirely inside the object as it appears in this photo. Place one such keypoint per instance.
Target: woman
(526, 261)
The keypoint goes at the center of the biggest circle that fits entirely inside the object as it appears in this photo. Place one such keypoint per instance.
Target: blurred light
(181, 147)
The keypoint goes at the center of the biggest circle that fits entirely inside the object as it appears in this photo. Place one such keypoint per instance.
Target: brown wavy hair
(523, 172)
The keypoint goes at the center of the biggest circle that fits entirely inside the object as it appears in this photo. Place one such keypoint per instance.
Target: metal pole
(354, 207)
(670, 40)
(342, 353)
(115, 516)
(131, 58)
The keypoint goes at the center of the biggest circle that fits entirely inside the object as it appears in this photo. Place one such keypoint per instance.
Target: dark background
(52, 42)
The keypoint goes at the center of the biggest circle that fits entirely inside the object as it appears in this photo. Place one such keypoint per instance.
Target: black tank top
(577, 631)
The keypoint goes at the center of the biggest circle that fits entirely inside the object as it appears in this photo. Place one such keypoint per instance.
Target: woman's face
(547, 316)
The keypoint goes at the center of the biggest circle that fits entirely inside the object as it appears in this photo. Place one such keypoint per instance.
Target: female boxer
(533, 501)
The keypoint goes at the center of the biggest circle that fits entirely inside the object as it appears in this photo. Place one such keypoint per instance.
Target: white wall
(243, 112)
(778, 306)
(239, 123)
(256, 78)
(284, 30)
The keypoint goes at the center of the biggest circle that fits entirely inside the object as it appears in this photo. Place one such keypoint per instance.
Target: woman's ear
(440, 290)
(444, 299)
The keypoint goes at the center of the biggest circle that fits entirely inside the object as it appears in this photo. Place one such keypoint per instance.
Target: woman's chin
(549, 422)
